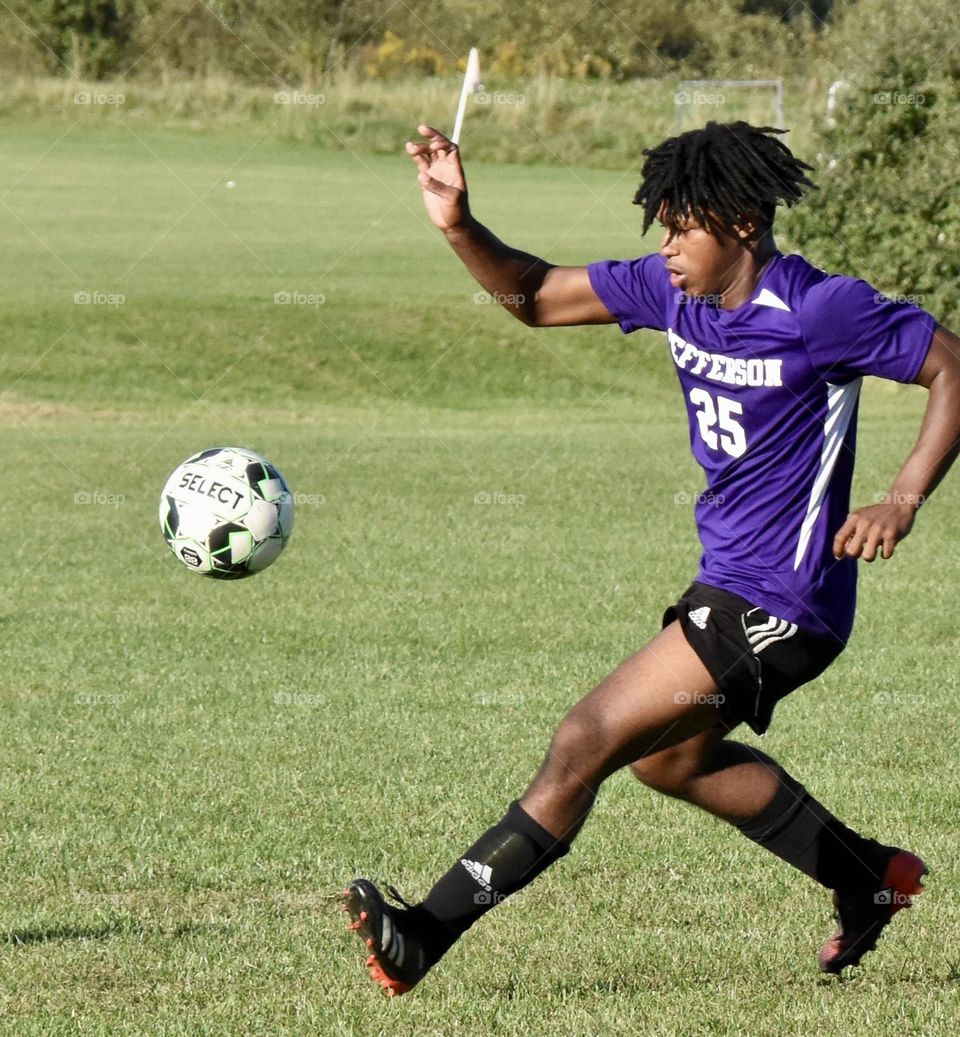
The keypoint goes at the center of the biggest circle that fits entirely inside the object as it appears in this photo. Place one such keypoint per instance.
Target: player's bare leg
(657, 712)
(745, 787)
(658, 698)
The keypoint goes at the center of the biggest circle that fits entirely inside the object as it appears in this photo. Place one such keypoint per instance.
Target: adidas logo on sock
(481, 872)
(699, 617)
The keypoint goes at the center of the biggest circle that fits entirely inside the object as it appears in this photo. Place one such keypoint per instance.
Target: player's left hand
(877, 527)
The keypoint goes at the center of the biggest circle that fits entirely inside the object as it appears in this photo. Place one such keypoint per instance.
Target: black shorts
(754, 658)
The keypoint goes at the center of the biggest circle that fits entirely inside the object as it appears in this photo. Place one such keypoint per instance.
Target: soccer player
(770, 353)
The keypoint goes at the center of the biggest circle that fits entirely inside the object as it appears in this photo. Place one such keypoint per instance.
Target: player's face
(701, 264)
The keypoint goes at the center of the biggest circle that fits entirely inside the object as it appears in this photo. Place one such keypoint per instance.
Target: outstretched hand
(879, 527)
(440, 175)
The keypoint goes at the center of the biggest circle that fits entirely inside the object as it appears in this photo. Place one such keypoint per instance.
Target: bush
(636, 40)
(300, 42)
(888, 209)
(73, 37)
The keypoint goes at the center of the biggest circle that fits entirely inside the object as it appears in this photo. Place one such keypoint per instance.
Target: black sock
(503, 860)
(804, 833)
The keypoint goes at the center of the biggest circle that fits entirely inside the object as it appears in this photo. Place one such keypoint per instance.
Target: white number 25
(719, 415)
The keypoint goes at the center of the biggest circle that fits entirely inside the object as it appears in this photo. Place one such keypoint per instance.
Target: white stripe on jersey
(841, 405)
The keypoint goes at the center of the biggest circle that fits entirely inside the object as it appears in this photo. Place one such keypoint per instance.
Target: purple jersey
(772, 390)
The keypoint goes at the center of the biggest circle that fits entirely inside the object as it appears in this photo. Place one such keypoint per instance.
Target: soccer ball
(226, 512)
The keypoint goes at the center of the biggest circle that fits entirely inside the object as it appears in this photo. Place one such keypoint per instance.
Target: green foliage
(888, 209)
(625, 41)
(789, 10)
(294, 41)
(176, 39)
(301, 42)
(76, 37)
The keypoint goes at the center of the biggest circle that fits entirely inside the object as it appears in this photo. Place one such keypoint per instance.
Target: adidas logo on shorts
(762, 635)
(699, 617)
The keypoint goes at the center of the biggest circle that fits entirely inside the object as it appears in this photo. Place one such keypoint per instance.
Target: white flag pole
(471, 80)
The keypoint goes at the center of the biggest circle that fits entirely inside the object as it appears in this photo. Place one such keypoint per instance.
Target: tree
(297, 40)
(79, 38)
(888, 208)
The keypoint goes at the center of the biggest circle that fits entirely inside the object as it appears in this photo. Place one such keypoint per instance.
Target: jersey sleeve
(850, 329)
(633, 290)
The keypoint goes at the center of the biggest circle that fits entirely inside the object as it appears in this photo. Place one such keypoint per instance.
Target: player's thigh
(659, 697)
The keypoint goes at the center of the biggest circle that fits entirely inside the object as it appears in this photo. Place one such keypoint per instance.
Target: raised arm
(881, 526)
(536, 292)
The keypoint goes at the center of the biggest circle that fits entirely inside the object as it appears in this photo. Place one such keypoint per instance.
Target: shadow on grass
(66, 933)
(63, 933)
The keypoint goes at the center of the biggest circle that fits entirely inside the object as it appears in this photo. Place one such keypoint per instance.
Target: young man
(770, 353)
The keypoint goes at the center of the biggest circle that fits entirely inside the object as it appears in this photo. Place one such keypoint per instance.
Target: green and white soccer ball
(226, 512)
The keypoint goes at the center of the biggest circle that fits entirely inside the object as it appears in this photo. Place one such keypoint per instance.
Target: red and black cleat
(864, 916)
(396, 960)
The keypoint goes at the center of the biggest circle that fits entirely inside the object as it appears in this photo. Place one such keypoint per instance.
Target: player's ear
(749, 231)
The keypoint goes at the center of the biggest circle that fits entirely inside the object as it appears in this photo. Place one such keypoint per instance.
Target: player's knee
(579, 750)
(669, 771)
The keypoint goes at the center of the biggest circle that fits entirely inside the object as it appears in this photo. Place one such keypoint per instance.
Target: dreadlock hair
(723, 175)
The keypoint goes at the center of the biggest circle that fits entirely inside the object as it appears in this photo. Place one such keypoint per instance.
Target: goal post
(697, 101)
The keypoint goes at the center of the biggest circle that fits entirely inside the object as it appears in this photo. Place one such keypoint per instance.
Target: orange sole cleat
(863, 918)
(396, 960)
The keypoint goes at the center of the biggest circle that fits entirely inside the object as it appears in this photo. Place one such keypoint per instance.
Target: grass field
(489, 519)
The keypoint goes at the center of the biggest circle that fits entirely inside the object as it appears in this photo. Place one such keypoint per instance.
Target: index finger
(436, 137)
(843, 535)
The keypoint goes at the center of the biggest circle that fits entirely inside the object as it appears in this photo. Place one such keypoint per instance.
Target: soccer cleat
(864, 916)
(397, 960)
